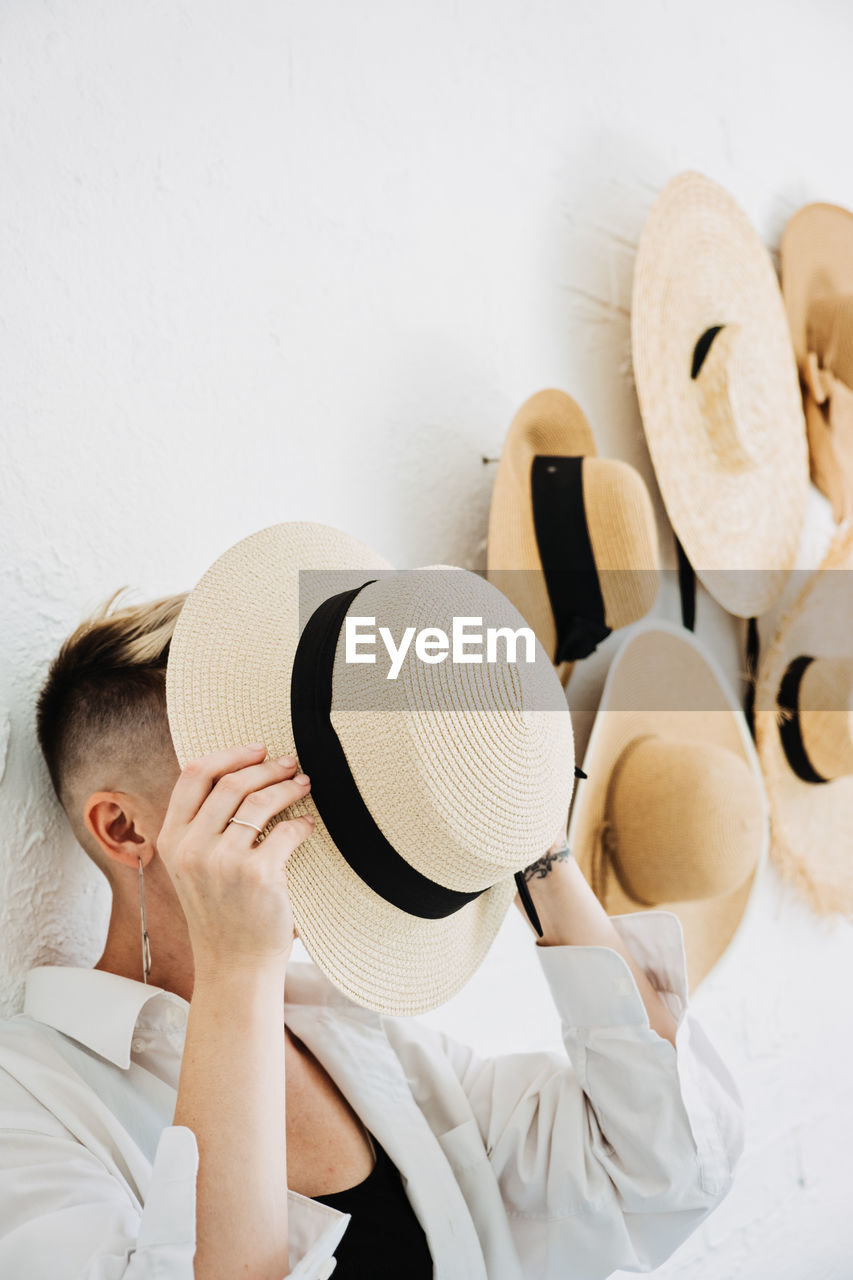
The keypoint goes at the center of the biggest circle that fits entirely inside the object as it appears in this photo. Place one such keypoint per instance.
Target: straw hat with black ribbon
(673, 814)
(719, 394)
(817, 283)
(804, 734)
(572, 538)
(431, 791)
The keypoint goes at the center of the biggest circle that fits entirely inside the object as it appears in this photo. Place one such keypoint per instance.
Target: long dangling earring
(146, 945)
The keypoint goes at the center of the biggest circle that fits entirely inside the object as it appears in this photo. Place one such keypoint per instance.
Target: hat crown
(572, 538)
(623, 536)
(684, 820)
(730, 389)
(825, 712)
(829, 334)
(482, 752)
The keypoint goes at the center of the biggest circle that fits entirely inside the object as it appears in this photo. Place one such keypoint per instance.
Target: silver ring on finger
(242, 823)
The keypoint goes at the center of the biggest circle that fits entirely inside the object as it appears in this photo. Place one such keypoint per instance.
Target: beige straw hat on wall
(817, 283)
(673, 813)
(719, 394)
(434, 788)
(804, 734)
(572, 537)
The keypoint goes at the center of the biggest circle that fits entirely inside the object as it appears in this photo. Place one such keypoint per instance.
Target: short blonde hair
(102, 706)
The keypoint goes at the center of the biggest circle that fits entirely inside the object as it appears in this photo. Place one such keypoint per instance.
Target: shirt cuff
(593, 986)
(168, 1223)
(168, 1219)
(314, 1232)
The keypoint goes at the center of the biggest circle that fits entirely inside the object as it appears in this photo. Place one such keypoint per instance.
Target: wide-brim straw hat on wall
(673, 814)
(429, 791)
(804, 734)
(817, 284)
(572, 537)
(719, 393)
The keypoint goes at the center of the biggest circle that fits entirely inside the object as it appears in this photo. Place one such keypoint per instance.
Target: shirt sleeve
(64, 1216)
(614, 1157)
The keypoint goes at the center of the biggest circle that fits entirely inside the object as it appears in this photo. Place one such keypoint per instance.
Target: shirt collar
(100, 1010)
(94, 1007)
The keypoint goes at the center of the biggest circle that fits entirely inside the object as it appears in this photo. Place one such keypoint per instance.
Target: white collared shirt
(528, 1166)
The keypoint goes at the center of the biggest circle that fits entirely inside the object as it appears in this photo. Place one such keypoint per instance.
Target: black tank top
(384, 1239)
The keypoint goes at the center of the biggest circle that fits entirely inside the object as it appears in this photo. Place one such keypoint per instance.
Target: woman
(157, 1121)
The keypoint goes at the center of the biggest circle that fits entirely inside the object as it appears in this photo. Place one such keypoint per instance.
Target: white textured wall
(266, 260)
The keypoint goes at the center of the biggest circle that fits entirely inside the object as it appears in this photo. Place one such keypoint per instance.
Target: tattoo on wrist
(538, 870)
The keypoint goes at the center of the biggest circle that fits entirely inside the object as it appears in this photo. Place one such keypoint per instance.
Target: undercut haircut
(101, 712)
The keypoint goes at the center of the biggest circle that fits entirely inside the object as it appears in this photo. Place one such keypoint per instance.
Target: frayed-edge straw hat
(817, 284)
(435, 788)
(719, 395)
(572, 537)
(673, 813)
(804, 734)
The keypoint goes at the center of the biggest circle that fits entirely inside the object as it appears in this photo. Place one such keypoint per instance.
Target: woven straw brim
(228, 682)
(549, 422)
(658, 672)
(817, 262)
(811, 823)
(701, 264)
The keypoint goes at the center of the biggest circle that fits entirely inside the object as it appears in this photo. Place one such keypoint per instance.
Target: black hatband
(791, 737)
(568, 562)
(333, 789)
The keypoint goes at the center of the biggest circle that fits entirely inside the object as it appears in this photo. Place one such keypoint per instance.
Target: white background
(266, 261)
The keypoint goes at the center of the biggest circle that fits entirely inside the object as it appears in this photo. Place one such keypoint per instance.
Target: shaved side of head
(101, 713)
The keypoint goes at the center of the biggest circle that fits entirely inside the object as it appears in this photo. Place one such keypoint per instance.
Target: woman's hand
(232, 1088)
(233, 890)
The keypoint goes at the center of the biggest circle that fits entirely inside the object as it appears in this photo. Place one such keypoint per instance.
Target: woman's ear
(121, 824)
